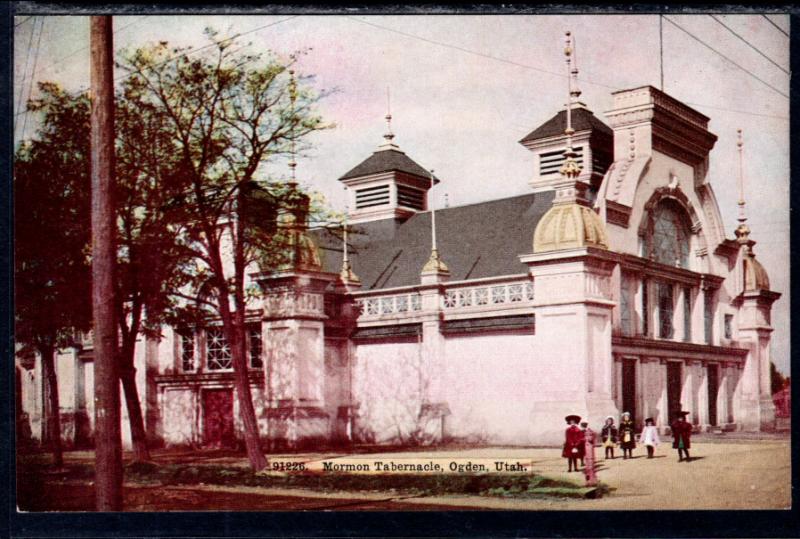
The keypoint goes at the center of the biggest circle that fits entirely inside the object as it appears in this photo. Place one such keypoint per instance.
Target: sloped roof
(582, 120)
(387, 161)
(475, 241)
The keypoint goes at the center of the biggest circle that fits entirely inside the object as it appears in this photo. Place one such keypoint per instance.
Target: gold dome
(755, 276)
(569, 226)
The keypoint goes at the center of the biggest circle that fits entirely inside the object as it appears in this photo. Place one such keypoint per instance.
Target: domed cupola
(570, 223)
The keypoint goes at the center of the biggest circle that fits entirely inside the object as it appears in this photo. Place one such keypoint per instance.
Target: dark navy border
(348, 524)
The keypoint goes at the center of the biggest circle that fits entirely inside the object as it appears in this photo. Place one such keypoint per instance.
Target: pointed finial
(389, 136)
(293, 99)
(435, 264)
(570, 169)
(742, 231)
(347, 274)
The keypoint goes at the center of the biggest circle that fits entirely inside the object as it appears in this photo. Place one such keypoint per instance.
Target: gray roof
(387, 161)
(475, 241)
(582, 120)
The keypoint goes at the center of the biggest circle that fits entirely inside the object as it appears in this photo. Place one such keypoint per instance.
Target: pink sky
(462, 113)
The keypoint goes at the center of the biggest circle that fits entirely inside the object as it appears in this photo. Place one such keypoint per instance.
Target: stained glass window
(218, 353)
(708, 315)
(645, 309)
(625, 304)
(256, 350)
(187, 350)
(665, 311)
(687, 314)
(669, 243)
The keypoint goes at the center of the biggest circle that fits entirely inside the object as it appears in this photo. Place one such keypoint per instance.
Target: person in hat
(608, 435)
(627, 435)
(681, 435)
(573, 442)
(589, 439)
(650, 437)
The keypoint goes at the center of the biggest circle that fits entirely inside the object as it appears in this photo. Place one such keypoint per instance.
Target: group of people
(580, 441)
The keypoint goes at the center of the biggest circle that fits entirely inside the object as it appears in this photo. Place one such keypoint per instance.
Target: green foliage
(51, 223)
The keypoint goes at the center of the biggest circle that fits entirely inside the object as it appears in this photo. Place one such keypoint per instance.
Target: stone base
(296, 427)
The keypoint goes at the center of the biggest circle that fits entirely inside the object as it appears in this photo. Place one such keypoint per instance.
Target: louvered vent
(372, 196)
(410, 197)
(550, 162)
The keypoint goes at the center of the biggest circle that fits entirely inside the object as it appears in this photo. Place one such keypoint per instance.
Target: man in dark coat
(682, 436)
(573, 443)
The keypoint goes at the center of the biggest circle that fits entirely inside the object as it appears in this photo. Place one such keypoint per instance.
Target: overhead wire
(25, 71)
(525, 66)
(687, 32)
(732, 31)
(76, 51)
(781, 30)
(30, 85)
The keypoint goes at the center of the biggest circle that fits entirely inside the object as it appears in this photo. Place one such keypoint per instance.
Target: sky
(465, 88)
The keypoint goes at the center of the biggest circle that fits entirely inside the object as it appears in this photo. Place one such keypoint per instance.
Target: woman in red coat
(573, 443)
(682, 435)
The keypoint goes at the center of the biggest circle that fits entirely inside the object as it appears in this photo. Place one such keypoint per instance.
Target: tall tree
(51, 221)
(230, 116)
(151, 262)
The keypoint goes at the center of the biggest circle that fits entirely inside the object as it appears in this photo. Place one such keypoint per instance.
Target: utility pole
(108, 441)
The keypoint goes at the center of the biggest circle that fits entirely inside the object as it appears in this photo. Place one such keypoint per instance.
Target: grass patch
(500, 485)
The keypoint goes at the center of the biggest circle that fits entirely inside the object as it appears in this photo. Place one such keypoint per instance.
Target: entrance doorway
(713, 391)
(673, 390)
(218, 418)
(629, 387)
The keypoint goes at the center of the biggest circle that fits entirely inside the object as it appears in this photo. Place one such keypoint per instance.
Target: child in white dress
(650, 437)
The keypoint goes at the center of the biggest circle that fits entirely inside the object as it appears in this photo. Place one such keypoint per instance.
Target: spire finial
(742, 231)
(346, 274)
(740, 146)
(293, 99)
(570, 169)
(389, 136)
(434, 264)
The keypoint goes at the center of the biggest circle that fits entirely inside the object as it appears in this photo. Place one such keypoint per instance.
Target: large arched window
(669, 235)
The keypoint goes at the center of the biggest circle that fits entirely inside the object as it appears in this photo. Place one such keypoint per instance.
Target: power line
(25, 69)
(511, 62)
(682, 29)
(476, 53)
(236, 36)
(193, 51)
(76, 51)
(781, 30)
(35, 60)
(750, 44)
(23, 21)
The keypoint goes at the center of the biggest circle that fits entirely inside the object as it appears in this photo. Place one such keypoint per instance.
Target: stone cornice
(676, 349)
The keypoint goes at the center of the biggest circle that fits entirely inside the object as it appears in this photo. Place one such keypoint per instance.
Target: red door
(218, 418)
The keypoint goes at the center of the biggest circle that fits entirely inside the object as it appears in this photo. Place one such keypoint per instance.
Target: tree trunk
(127, 376)
(235, 335)
(54, 415)
(108, 442)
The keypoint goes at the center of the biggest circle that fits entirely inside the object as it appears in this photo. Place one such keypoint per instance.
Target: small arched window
(669, 235)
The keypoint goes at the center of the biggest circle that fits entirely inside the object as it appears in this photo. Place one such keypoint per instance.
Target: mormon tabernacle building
(610, 287)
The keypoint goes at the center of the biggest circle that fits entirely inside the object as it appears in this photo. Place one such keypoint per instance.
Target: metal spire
(293, 99)
(570, 169)
(346, 274)
(435, 264)
(742, 231)
(740, 146)
(389, 136)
